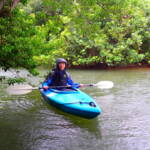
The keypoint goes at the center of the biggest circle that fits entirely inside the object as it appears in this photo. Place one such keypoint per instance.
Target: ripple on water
(16, 104)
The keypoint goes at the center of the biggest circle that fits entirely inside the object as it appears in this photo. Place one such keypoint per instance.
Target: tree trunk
(14, 3)
(6, 7)
(2, 3)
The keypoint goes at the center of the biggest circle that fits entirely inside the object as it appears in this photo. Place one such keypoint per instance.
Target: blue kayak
(72, 101)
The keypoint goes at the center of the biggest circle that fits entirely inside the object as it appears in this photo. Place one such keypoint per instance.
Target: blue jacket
(59, 78)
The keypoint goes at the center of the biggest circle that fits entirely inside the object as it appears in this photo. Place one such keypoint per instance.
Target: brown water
(27, 122)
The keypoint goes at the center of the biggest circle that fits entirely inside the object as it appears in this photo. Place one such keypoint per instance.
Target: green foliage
(34, 72)
(12, 81)
(93, 31)
(116, 38)
(19, 41)
(16, 41)
(2, 78)
(85, 32)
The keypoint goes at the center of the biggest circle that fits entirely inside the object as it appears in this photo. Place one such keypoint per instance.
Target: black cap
(61, 60)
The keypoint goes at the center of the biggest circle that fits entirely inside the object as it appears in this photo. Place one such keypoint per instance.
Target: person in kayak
(59, 76)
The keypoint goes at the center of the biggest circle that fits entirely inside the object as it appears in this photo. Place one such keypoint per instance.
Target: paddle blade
(19, 89)
(105, 84)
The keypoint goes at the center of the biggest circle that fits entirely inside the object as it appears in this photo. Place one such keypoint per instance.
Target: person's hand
(81, 85)
(45, 87)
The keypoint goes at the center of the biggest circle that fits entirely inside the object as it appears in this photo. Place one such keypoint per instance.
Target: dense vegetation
(85, 32)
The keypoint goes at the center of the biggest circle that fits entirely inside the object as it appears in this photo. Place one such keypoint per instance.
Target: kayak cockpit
(64, 90)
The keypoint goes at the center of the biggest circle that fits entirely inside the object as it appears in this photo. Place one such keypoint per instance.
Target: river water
(27, 122)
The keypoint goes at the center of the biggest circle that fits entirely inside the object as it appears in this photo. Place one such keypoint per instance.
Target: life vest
(59, 78)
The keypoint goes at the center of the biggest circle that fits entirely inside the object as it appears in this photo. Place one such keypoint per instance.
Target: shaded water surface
(27, 122)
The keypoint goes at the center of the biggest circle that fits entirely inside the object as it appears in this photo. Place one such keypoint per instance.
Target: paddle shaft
(101, 84)
(67, 86)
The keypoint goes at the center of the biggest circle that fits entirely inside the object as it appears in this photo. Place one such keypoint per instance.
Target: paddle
(19, 89)
(101, 85)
